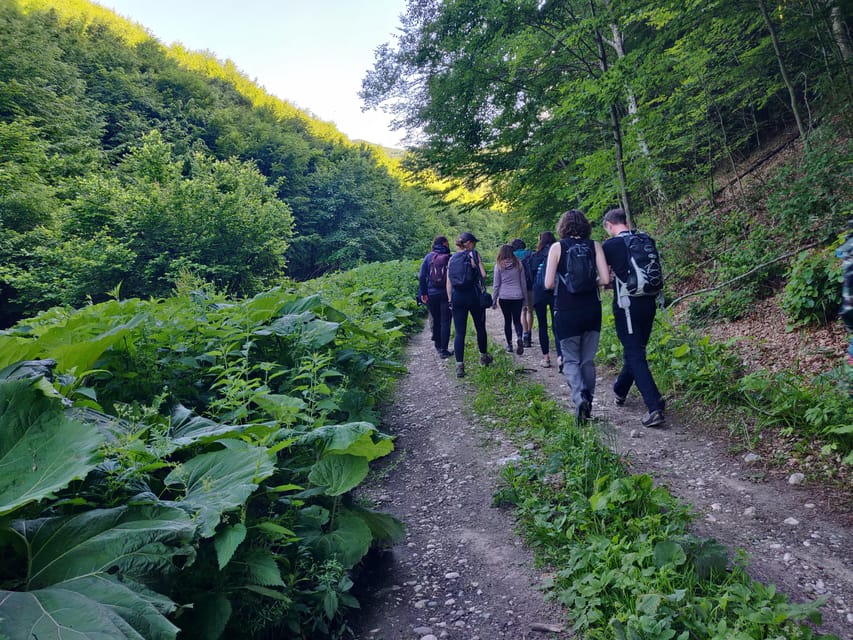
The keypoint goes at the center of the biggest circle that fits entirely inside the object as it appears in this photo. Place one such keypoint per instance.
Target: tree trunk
(839, 31)
(762, 5)
(615, 126)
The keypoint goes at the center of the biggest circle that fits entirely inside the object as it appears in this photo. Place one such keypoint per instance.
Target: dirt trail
(441, 479)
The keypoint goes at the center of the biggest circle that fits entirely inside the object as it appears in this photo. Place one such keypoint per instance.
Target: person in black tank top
(577, 314)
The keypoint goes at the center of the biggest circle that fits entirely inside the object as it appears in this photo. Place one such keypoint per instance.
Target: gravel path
(461, 573)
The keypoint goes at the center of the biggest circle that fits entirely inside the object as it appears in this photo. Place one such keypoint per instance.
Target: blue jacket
(425, 287)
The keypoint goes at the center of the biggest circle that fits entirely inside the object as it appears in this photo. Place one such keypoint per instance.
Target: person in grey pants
(577, 315)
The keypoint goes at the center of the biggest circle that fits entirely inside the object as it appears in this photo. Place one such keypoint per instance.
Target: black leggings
(461, 308)
(512, 316)
(544, 313)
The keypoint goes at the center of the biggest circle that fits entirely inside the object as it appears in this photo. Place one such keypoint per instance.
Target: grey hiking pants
(579, 364)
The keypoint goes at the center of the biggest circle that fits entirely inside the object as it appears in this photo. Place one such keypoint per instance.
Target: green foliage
(627, 566)
(202, 462)
(813, 289)
(127, 163)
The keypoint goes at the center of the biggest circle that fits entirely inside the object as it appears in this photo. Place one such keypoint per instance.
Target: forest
(126, 162)
(205, 293)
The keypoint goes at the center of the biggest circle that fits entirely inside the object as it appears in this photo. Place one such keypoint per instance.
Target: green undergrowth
(691, 369)
(184, 466)
(625, 565)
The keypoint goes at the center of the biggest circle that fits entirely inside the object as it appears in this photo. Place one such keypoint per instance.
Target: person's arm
(554, 254)
(496, 284)
(601, 266)
(475, 255)
(422, 279)
(449, 286)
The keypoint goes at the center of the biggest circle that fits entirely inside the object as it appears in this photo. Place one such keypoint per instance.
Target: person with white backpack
(638, 280)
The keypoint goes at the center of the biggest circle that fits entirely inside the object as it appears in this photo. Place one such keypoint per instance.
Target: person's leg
(541, 310)
(433, 305)
(527, 322)
(625, 379)
(479, 318)
(516, 311)
(558, 347)
(571, 348)
(460, 326)
(634, 345)
(506, 310)
(444, 315)
(588, 349)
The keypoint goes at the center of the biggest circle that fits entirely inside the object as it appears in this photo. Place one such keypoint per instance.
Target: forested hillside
(125, 163)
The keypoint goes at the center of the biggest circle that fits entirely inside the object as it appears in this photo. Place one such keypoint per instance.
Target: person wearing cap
(465, 301)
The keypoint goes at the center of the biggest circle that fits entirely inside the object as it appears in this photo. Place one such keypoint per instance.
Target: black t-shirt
(616, 254)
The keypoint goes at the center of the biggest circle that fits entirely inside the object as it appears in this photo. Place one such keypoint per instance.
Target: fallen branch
(741, 276)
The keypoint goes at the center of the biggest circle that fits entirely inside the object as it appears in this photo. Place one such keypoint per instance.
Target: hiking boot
(509, 348)
(560, 364)
(444, 354)
(486, 359)
(519, 346)
(528, 341)
(652, 418)
(460, 369)
(584, 411)
(546, 362)
(620, 400)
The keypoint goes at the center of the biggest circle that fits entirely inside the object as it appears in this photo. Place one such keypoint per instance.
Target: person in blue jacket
(432, 290)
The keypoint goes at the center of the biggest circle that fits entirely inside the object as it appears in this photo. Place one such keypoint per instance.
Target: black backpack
(645, 273)
(537, 263)
(438, 270)
(461, 274)
(579, 274)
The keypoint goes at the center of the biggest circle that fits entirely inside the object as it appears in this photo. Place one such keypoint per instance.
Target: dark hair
(442, 240)
(506, 253)
(573, 224)
(616, 216)
(518, 243)
(545, 238)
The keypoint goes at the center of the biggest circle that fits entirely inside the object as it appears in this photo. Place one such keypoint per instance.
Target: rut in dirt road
(461, 573)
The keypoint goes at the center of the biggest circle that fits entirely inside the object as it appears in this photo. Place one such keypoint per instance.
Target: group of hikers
(560, 283)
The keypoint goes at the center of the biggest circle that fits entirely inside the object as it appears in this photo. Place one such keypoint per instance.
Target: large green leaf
(41, 448)
(79, 341)
(137, 542)
(353, 438)
(348, 541)
(220, 481)
(187, 429)
(312, 332)
(339, 474)
(227, 541)
(88, 607)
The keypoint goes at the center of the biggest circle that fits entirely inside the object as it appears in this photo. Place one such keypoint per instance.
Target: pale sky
(312, 53)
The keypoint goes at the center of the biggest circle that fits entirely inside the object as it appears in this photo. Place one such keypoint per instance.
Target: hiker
(845, 252)
(510, 293)
(634, 315)
(520, 250)
(575, 270)
(432, 289)
(465, 274)
(543, 299)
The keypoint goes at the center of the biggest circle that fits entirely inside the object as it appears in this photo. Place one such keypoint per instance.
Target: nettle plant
(219, 505)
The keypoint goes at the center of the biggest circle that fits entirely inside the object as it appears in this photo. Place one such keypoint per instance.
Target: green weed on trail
(184, 465)
(624, 563)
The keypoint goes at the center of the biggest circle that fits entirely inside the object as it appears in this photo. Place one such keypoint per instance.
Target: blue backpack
(537, 265)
